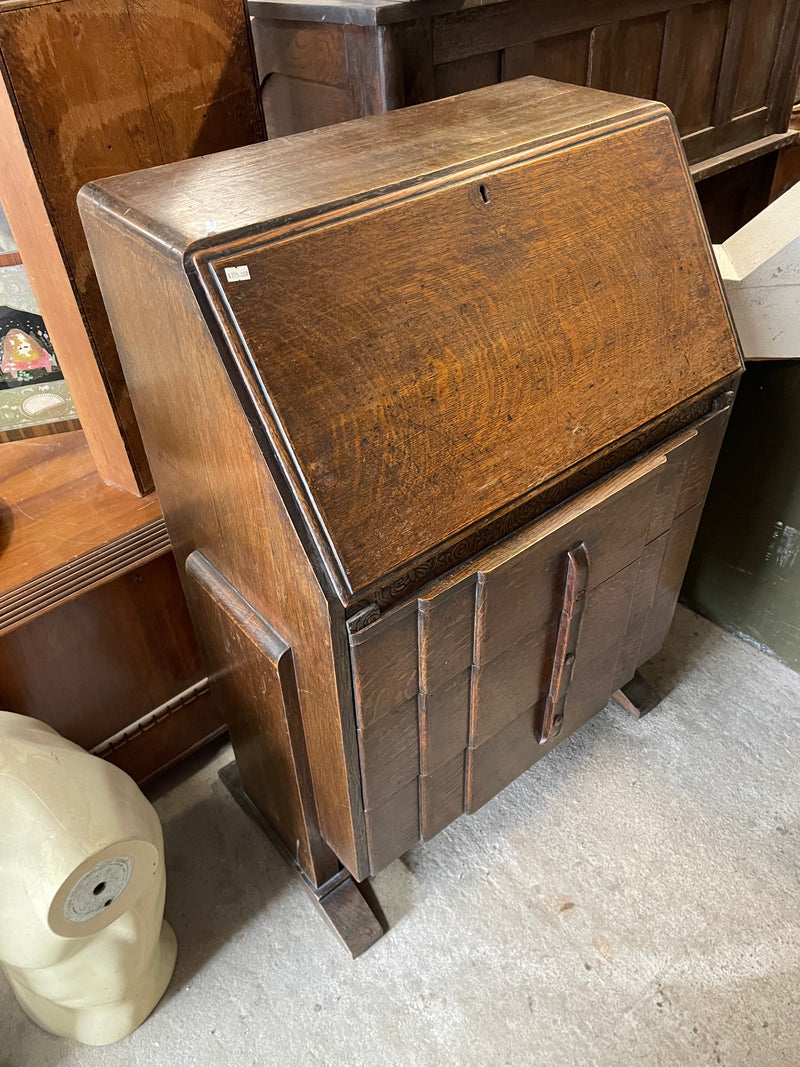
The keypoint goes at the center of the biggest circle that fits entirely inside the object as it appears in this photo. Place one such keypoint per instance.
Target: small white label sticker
(237, 274)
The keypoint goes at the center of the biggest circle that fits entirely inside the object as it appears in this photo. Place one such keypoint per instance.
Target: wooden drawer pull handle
(566, 643)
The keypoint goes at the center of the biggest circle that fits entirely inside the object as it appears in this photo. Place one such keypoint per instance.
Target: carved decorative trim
(163, 711)
(364, 618)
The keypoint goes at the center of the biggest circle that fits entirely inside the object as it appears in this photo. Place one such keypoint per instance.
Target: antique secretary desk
(432, 401)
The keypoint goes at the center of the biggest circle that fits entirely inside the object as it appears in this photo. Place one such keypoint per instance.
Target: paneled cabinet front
(452, 687)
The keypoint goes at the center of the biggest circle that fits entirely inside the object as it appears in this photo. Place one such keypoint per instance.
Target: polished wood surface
(54, 507)
(393, 410)
(95, 635)
(724, 67)
(422, 705)
(218, 498)
(337, 394)
(100, 87)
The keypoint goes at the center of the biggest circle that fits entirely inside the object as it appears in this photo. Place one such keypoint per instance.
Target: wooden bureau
(432, 401)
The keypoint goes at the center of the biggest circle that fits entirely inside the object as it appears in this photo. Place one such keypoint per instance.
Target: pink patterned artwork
(22, 353)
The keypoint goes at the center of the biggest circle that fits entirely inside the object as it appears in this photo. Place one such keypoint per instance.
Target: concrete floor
(632, 900)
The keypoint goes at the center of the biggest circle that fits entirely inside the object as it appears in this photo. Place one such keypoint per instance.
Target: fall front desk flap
(431, 318)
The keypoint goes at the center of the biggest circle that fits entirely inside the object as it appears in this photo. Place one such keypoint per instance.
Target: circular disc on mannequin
(102, 887)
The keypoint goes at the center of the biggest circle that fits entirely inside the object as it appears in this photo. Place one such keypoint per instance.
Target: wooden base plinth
(637, 697)
(340, 898)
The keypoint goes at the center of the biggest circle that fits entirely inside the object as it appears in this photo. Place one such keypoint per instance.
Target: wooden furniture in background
(95, 636)
(726, 68)
(98, 87)
(507, 416)
(787, 170)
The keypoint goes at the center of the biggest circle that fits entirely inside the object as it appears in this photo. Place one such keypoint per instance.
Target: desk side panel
(219, 498)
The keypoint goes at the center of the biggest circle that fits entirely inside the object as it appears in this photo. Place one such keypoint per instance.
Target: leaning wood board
(92, 88)
(436, 400)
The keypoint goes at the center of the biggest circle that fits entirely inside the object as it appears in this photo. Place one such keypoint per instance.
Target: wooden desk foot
(339, 899)
(637, 697)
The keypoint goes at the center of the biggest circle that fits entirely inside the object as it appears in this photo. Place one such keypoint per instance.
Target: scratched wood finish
(375, 386)
(102, 87)
(256, 656)
(474, 652)
(725, 67)
(402, 702)
(219, 498)
(345, 380)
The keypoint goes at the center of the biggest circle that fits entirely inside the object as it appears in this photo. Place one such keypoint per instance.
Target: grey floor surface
(632, 900)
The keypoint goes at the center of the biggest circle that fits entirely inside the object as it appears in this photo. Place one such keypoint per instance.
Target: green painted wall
(745, 569)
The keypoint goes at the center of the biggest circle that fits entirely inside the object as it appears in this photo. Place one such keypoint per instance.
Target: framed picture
(34, 398)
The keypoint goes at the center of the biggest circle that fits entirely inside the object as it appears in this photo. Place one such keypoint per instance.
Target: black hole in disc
(484, 194)
(98, 889)
(107, 903)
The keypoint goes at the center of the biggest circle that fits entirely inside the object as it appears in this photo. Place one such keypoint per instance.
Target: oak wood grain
(101, 87)
(256, 675)
(219, 499)
(364, 398)
(406, 330)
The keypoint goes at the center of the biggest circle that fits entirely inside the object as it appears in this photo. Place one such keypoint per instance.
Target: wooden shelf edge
(707, 168)
(79, 576)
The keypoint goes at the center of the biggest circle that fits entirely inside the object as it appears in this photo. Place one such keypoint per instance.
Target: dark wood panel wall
(724, 67)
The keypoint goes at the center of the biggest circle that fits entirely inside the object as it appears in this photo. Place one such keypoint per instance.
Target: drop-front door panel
(452, 690)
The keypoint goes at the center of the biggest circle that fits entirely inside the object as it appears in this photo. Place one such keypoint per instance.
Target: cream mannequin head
(82, 885)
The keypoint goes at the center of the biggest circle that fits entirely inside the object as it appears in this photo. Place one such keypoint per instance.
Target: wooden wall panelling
(784, 86)
(691, 60)
(724, 66)
(472, 72)
(761, 40)
(626, 55)
(563, 58)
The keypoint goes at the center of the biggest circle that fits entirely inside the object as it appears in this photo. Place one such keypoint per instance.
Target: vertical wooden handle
(566, 643)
